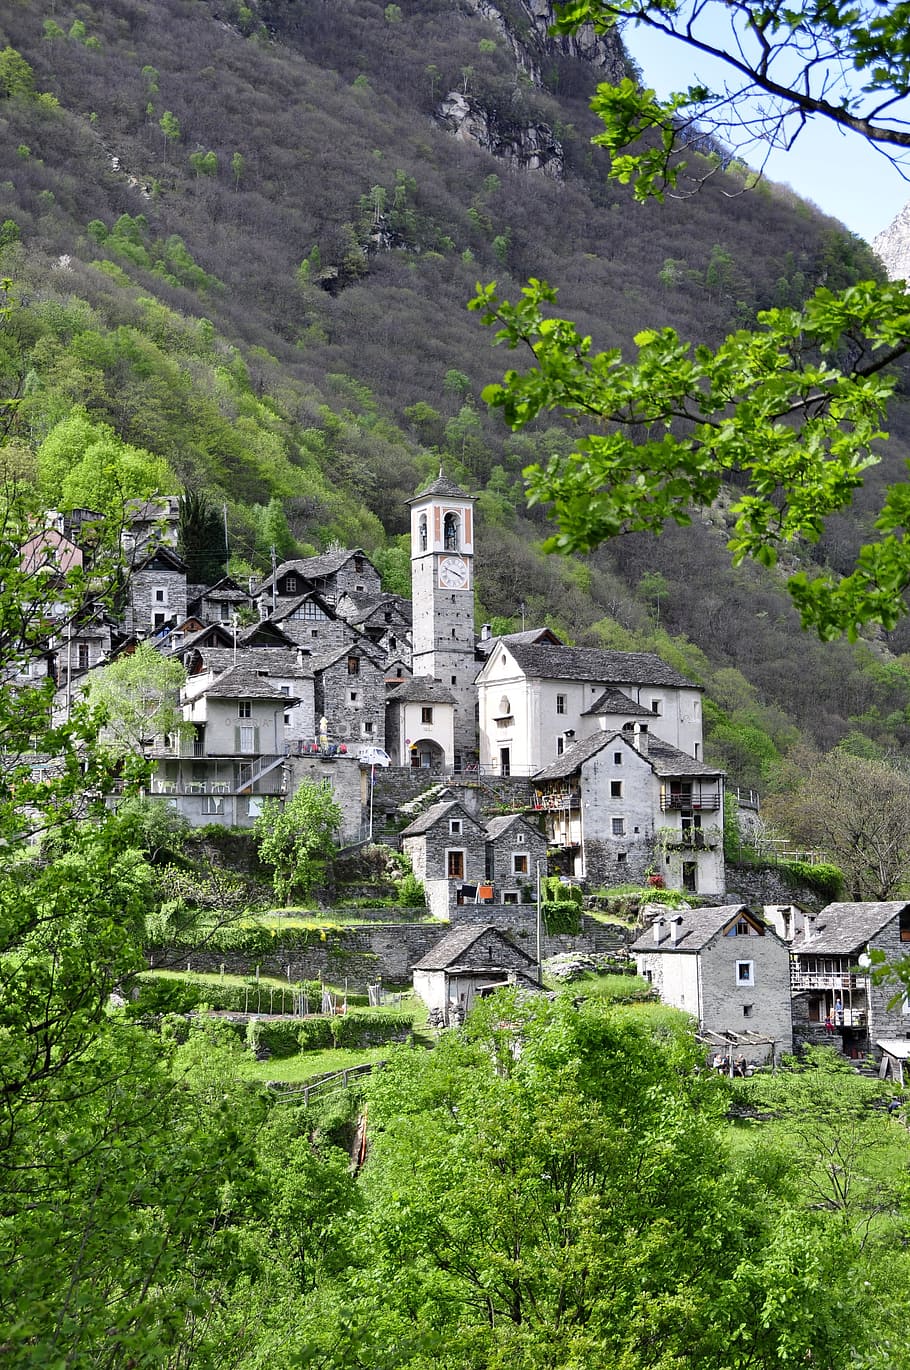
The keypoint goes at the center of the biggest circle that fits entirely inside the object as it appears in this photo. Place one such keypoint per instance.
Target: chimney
(676, 930)
(299, 659)
(640, 738)
(486, 632)
(808, 927)
(658, 925)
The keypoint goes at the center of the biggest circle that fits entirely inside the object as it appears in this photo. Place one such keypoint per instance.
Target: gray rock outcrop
(893, 246)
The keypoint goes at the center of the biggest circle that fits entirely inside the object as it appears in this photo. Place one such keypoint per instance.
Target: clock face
(453, 573)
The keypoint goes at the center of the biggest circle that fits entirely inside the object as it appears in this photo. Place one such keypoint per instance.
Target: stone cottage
(467, 962)
(726, 968)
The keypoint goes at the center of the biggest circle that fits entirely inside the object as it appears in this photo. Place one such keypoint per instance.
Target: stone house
(830, 976)
(350, 695)
(535, 699)
(727, 968)
(311, 622)
(467, 962)
(331, 575)
(289, 669)
(385, 619)
(156, 594)
(150, 522)
(621, 806)
(516, 854)
(447, 847)
(234, 752)
(222, 602)
(420, 722)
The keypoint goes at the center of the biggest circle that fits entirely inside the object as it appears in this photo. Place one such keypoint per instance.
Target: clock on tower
(442, 587)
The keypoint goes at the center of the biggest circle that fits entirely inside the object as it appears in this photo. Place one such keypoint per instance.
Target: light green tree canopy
(295, 838)
(137, 696)
(83, 462)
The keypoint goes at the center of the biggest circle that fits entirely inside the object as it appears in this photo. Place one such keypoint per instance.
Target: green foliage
(827, 879)
(561, 916)
(83, 462)
(296, 837)
(201, 539)
(411, 893)
(17, 80)
(137, 698)
(797, 473)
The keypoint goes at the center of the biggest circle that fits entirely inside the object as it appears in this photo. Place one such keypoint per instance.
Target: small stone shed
(467, 961)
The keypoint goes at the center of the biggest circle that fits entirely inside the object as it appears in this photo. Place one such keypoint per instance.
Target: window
(213, 803)
(290, 585)
(285, 689)
(745, 972)
(695, 750)
(358, 565)
(245, 708)
(450, 532)
(422, 532)
(618, 827)
(455, 865)
(510, 896)
(247, 740)
(158, 620)
(747, 1010)
(353, 665)
(82, 657)
(161, 596)
(455, 827)
(426, 713)
(616, 789)
(560, 746)
(904, 925)
(620, 858)
(617, 758)
(519, 863)
(367, 727)
(560, 704)
(655, 706)
(355, 696)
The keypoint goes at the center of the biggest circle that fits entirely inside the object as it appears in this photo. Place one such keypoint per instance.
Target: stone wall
(389, 950)
(758, 885)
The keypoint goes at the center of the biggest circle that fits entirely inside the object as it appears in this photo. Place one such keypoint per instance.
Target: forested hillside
(241, 242)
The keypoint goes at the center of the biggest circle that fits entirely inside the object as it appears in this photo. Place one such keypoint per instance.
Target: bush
(370, 1030)
(411, 893)
(561, 916)
(166, 994)
(826, 879)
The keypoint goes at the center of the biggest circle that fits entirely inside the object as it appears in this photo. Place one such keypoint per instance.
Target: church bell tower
(442, 590)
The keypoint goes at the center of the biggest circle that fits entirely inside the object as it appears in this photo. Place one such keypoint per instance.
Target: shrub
(827, 879)
(561, 916)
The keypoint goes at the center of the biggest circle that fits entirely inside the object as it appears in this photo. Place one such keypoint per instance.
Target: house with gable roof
(447, 847)
(622, 805)
(234, 752)
(535, 699)
(728, 969)
(222, 602)
(516, 855)
(332, 574)
(385, 619)
(350, 694)
(420, 722)
(831, 979)
(470, 961)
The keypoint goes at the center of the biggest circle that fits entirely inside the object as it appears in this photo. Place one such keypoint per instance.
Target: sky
(839, 172)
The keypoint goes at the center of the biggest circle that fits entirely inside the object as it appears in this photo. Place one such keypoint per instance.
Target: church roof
(419, 688)
(549, 662)
(443, 487)
(613, 701)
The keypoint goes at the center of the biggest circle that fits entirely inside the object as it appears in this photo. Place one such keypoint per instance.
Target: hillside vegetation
(241, 246)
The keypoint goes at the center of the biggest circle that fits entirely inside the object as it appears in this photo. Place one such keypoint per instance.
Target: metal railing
(694, 799)
(328, 1084)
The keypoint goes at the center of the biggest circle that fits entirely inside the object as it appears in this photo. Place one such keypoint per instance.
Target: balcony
(820, 979)
(694, 799)
(555, 799)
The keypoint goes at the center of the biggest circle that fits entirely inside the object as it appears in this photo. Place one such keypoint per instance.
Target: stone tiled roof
(670, 761)
(698, 927)
(549, 662)
(454, 949)
(844, 928)
(613, 701)
(243, 682)
(435, 814)
(362, 646)
(530, 636)
(274, 661)
(664, 760)
(497, 826)
(443, 487)
(418, 689)
(266, 629)
(358, 608)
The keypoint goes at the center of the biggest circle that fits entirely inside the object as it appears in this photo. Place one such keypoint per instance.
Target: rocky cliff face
(893, 246)
(524, 25)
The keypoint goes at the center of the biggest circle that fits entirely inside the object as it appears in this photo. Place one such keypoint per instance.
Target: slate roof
(442, 486)
(361, 647)
(210, 633)
(530, 635)
(242, 682)
(699, 926)
(577, 754)
(550, 662)
(670, 761)
(456, 945)
(841, 929)
(274, 661)
(419, 689)
(160, 552)
(268, 630)
(286, 610)
(358, 608)
(497, 826)
(613, 701)
(434, 814)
